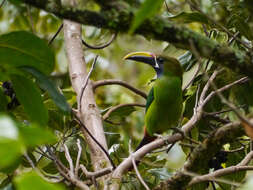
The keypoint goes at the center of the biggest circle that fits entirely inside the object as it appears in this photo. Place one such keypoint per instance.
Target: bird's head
(162, 64)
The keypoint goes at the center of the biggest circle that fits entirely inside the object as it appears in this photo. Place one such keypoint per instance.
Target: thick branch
(157, 28)
(198, 161)
(89, 114)
(242, 166)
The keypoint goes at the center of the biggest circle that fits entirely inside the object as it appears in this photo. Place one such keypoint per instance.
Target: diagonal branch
(123, 167)
(242, 166)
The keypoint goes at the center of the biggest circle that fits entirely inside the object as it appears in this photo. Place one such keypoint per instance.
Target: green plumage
(164, 103)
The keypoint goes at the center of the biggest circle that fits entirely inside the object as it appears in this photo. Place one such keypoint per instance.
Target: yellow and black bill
(144, 57)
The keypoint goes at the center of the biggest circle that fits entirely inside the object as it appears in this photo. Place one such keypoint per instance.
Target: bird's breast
(165, 110)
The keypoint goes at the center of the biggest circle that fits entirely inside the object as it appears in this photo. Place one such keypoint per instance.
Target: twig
(198, 110)
(199, 178)
(78, 156)
(1, 5)
(233, 38)
(246, 159)
(222, 111)
(235, 150)
(69, 159)
(218, 91)
(182, 144)
(94, 139)
(111, 122)
(118, 82)
(29, 160)
(96, 174)
(100, 46)
(193, 78)
(167, 7)
(42, 153)
(221, 172)
(216, 118)
(30, 18)
(86, 82)
(114, 108)
(136, 169)
(55, 35)
(65, 172)
(241, 80)
(229, 104)
(219, 25)
(60, 166)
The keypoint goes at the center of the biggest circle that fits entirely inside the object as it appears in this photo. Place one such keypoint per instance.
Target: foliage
(36, 95)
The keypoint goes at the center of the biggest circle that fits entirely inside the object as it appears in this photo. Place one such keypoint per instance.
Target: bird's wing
(150, 98)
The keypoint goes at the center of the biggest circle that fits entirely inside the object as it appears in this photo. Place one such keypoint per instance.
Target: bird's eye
(160, 60)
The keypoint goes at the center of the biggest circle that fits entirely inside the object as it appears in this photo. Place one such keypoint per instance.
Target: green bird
(164, 102)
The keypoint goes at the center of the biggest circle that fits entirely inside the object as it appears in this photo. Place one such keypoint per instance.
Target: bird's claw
(165, 139)
(177, 130)
(158, 135)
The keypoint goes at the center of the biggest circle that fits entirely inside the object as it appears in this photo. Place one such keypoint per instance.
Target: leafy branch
(157, 27)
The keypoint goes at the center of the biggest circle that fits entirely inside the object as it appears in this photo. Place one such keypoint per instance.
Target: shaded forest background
(43, 140)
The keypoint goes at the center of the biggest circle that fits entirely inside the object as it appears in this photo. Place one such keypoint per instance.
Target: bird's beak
(145, 57)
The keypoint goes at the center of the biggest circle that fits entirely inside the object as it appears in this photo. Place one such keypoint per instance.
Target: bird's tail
(146, 139)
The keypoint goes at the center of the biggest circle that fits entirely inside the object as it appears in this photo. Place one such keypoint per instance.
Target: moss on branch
(119, 19)
(198, 161)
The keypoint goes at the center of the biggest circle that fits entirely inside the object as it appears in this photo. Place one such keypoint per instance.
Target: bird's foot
(177, 130)
(184, 136)
(164, 138)
(158, 136)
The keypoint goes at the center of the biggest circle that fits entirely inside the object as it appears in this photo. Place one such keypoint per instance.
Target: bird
(164, 101)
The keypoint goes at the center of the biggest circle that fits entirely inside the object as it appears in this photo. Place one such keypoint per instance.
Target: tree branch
(118, 82)
(114, 108)
(198, 161)
(119, 18)
(239, 167)
(119, 171)
(89, 113)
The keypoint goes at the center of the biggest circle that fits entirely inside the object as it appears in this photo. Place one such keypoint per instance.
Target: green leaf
(185, 59)
(50, 168)
(10, 153)
(160, 173)
(32, 181)
(3, 101)
(233, 158)
(184, 17)
(25, 49)
(48, 85)
(147, 10)
(8, 129)
(33, 135)
(10, 146)
(242, 26)
(29, 96)
(248, 185)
